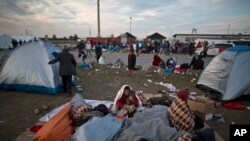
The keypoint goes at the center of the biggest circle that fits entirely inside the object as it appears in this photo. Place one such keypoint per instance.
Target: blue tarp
(239, 48)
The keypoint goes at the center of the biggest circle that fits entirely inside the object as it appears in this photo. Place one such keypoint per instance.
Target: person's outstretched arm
(53, 61)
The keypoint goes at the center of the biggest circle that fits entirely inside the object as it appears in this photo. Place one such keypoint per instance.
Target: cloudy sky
(168, 17)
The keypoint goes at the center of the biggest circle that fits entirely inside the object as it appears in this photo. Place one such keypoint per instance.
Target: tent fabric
(228, 73)
(59, 128)
(5, 41)
(31, 73)
(240, 48)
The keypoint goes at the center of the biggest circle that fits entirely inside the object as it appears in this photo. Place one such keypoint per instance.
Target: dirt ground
(17, 108)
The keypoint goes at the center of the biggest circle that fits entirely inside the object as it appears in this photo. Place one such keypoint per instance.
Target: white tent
(25, 38)
(27, 69)
(5, 41)
(228, 73)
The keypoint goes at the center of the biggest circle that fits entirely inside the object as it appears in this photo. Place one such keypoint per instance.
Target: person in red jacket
(121, 99)
(156, 60)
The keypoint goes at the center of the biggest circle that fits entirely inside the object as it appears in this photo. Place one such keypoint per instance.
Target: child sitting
(130, 105)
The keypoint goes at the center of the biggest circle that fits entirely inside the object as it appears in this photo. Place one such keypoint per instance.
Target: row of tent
(228, 73)
(6, 40)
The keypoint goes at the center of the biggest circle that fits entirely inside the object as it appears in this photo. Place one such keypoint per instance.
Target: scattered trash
(248, 108)
(79, 86)
(80, 89)
(218, 118)
(45, 107)
(170, 86)
(192, 97)
(36, 111)
(150, 81)
(217, 104)
(96, 70)
(2, 121)
(145, 84)
(232, 123)
(194, 79)
(117, 72)
(193, 93)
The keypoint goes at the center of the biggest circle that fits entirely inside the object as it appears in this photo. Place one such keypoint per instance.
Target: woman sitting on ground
(180, 115)
(129, 106)
(121, 97)
(156, 60)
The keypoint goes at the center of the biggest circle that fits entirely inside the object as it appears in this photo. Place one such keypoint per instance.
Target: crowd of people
(16, 43)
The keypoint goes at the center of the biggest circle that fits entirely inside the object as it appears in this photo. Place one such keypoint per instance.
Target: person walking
(98, 52)
(88, 48)
(80, 47)
(66, 68)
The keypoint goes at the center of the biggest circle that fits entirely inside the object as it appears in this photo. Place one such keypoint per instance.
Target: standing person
(66, 68)
(191, 49)
(162, 47)
(205, 48)
(80, 47)
(88, 48)
(131, 62)
(137, 48)
(167, 48)
(98, 52)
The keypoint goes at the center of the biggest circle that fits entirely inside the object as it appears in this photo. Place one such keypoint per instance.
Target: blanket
(151, 124)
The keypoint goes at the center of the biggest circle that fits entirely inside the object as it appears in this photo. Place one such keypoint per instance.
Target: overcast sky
(168, 17)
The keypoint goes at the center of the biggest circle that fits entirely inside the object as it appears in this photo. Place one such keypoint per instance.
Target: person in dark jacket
(80, 47)
(197, 63)
(98, 52)
(66, 68)
(131, 62)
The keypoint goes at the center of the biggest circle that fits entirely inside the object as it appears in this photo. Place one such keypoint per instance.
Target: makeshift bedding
(98, 129)
(151, 124)
(92, 103)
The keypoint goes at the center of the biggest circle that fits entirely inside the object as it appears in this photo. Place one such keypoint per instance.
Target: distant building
(155, 37)
(192, 37)
(123, 38)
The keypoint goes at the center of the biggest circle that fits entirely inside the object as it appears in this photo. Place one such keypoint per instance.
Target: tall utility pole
(98, 18)
(130, 24)
(89, 32)
(228, 28)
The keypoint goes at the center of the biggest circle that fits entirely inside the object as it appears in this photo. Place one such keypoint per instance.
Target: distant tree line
(71, 37)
